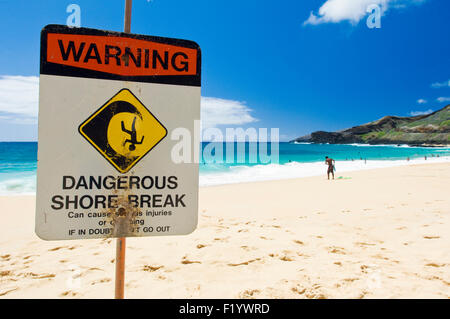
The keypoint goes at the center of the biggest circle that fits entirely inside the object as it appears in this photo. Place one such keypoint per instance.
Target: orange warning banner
(124, 56)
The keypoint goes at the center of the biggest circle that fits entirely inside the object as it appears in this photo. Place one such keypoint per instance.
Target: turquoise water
(309, 153)
(18, 161)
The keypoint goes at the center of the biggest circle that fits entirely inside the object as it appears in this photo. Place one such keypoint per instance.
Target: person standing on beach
(330, 163)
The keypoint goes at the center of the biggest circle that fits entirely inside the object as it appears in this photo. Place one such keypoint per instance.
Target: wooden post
(121, 242)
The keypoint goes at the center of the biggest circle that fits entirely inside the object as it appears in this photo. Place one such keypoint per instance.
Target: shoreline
(294, 170)
(272, 172)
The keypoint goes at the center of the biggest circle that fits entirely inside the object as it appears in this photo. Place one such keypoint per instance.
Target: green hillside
(430, 129)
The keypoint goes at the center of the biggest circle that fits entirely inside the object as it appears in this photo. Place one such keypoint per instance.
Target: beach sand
(380, 233)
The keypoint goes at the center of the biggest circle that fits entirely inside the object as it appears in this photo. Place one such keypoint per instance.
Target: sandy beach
(381, 233)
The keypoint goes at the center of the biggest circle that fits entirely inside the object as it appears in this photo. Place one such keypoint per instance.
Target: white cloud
(334, 11)
(421, 101)
(438, 85)
(19, 98)
(416, 113)
(443, 99)
(216, 111)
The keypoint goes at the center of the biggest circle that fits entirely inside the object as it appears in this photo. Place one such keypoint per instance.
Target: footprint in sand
(435, 265)
(7, 291)
(244, 263)
(100, 281)
(39, 276)
(286, 258)
(298, 290)
(431, 237)
(249, 293)
(336, 250)
(63, 247)
(362, 244)
(5, 273)
(350, 279)
(68, 293)
(151, 268)
(57, 248)
(186, 261)
(28, 257)
(315, 293)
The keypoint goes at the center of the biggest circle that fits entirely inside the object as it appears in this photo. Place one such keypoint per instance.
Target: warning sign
(123, 130)
(108, 103)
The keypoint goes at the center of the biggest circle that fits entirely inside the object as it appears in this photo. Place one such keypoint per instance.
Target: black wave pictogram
(97, 130)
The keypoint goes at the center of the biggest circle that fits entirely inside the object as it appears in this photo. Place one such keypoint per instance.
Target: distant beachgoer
(425, 157)
(330, 162)
(365, 161)
(407, 158)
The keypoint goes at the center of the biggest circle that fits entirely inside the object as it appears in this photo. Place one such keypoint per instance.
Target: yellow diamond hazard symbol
(123, 130)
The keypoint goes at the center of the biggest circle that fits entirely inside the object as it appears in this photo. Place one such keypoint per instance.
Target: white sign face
(108, 103)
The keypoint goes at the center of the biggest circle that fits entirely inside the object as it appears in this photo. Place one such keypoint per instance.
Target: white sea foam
(242, 174)
(25, 185)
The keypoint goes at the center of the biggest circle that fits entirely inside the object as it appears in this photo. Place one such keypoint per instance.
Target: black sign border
(50, 68)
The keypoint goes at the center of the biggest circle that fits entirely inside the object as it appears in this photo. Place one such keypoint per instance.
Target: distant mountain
(430, 129)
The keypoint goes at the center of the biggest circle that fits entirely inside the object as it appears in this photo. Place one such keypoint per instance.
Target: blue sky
(297, 65)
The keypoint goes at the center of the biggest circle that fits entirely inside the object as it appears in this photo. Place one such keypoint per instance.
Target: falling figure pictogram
(133, 135)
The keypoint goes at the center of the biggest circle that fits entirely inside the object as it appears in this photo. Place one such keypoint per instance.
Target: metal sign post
(121, 242)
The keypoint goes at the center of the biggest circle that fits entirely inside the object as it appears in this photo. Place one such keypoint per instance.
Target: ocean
(18, 162)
